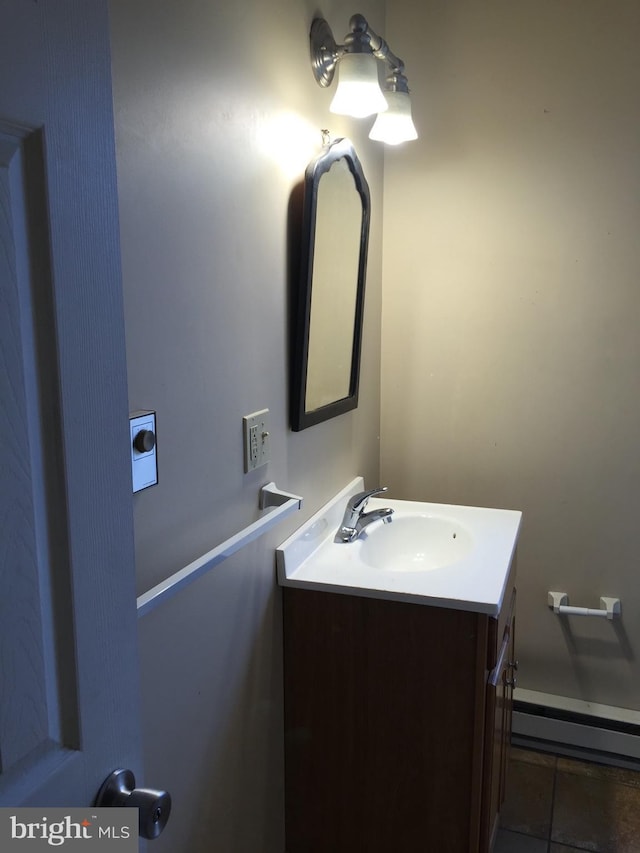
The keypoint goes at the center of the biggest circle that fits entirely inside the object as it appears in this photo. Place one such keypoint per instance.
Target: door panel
(23, 722)
(68, 668)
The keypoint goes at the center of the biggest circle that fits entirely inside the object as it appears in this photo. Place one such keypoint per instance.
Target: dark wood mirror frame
(301, 417)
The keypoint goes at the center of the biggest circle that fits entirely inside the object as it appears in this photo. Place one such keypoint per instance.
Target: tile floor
(558, 805)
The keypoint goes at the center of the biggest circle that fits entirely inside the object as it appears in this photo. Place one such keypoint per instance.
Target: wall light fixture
(358, 93)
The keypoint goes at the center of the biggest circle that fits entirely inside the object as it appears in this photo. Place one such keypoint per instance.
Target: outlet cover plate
(257, 446)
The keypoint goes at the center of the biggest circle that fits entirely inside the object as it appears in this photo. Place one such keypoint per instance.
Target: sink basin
(434, 554)
(415, 542)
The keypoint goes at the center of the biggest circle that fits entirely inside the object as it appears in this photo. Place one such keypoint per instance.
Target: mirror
(330, 293)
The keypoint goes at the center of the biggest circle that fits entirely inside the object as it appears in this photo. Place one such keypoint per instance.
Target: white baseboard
(576, 728)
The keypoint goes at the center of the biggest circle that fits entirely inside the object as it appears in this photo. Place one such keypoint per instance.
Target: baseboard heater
(576, 729)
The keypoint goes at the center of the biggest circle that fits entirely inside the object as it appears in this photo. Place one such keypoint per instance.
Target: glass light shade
(395, 125)
(358, 93)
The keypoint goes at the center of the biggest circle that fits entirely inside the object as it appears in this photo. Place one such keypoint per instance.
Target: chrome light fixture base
(324, 52)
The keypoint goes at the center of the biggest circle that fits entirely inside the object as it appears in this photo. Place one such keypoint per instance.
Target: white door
(68, 659)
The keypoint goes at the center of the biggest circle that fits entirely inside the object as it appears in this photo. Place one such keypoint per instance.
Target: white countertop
(476, 581)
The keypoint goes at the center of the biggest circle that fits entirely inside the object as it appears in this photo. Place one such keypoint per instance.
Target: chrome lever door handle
(119, 790)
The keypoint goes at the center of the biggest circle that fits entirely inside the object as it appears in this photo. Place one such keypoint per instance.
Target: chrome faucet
(356, 520)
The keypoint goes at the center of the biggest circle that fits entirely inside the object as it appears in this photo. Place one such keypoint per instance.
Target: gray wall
(217, 115)
(511, 303)
(509, 340)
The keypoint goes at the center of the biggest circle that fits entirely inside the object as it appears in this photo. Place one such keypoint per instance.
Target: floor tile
(593, 812)
(600, 771)
(528, 804)
(530, 756)
(514, 842)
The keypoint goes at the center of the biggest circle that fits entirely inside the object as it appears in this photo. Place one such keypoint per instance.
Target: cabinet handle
(496, 673)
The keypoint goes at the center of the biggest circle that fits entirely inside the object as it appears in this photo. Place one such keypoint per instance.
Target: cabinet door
(381, 699)
(498, 731)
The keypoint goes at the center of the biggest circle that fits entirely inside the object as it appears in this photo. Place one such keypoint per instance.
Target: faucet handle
(359, 501)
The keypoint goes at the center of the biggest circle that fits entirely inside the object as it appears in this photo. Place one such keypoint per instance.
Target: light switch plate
(255, 430)
(144, 462)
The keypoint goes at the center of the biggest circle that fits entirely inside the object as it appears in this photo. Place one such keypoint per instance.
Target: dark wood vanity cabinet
(397, 724)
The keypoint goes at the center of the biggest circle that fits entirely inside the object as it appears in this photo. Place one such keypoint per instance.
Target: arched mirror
(328, 320)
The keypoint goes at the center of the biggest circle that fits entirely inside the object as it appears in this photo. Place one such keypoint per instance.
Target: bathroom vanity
(397, 702)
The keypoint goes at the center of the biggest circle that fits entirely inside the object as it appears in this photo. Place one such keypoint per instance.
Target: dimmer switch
(144, 461)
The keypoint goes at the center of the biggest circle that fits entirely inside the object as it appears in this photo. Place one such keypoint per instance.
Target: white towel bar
(270, 496)
(559, 603)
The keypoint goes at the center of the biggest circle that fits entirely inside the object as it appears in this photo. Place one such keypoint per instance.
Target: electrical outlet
(255, 430)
